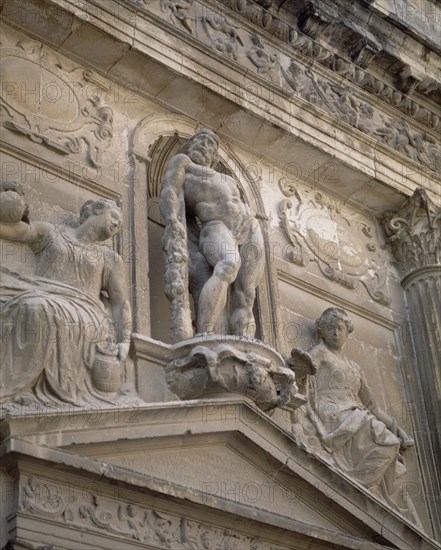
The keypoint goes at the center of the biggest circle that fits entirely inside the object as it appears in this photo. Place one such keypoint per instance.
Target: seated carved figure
(363, 440)
(56, 329)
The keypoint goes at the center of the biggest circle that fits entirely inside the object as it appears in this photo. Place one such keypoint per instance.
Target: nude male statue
(224, 239)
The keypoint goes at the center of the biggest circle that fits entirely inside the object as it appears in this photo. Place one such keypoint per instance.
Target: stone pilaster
(414, 233)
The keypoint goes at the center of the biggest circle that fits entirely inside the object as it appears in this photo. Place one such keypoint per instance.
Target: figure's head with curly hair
(94, 208)
(333, 327)
(202, 148)
(103, 215)
(14, 207)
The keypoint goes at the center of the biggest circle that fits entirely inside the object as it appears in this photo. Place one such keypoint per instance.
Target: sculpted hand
(406, 441)
(13, 207)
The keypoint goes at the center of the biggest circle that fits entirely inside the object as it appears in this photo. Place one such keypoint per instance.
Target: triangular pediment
(242, 464)
(227, 468)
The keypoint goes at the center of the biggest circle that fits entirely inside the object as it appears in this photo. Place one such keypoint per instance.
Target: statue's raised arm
(208, 229)
(14, 221)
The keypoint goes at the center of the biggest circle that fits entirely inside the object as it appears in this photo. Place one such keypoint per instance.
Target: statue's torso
(212, 196)
(62, 258)
(338, 382)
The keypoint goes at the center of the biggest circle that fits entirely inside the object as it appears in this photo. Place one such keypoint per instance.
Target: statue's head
(333, 327)
(103, 215)
(202, 148)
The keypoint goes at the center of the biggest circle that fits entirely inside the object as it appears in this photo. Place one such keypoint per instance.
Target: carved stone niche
(56, 106)
(212, 366)
(207, 365)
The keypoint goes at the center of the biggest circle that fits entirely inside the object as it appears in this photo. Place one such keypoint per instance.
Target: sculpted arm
(367, 398)
(120, 306)
(29, 233)
(172, 187)
(14, 222)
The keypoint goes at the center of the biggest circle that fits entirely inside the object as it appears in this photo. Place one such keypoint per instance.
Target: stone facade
(323, 192)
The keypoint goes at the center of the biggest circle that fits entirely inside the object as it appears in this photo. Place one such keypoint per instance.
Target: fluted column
(414, 233)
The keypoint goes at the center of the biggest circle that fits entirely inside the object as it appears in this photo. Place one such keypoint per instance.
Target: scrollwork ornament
(60, 115)
(414, 233)
(320, 233)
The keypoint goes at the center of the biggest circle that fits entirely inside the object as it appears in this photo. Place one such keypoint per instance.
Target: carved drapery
(415, 236)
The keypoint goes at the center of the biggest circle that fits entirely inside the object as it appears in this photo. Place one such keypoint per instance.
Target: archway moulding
(156, 126)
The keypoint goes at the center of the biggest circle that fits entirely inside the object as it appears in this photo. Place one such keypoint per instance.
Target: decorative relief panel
(345, 247)
(227, 35)
(223, 34)
(97, 513)
(52, 105)
(343, 103)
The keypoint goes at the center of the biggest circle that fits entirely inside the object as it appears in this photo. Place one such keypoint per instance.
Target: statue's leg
(220, 250)
(244, 288)
(199, 271)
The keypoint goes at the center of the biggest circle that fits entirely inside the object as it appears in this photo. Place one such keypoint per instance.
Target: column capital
(414, 233)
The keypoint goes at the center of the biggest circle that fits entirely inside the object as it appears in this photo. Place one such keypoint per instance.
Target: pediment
(225, 468)
(240, 464)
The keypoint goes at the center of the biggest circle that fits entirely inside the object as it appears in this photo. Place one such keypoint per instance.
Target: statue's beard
(200, 156)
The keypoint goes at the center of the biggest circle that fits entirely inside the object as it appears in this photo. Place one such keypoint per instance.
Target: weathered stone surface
(342, 414)
(209, 232)
(98, 478)
(59, 343)
(217, 366)
(342, 123)
(414, 233)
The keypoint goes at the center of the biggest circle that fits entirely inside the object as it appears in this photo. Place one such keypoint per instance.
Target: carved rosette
(414, 233)
(345, 248)
(217, 366)
(56, 106)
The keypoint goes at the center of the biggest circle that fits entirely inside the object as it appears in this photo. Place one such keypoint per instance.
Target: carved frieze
(346, 248)
(179, 13)
(262, 59)
(127, 521)
(55, 106)
(414, 233)
(228, 36)
(343, 103)
(223, 34)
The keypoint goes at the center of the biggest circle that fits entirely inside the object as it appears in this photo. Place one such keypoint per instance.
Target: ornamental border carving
(53, 104)
(97, 513)
(345, 99)
(351, 258)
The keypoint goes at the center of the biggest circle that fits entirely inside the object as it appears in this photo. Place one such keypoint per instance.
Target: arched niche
(154, 141)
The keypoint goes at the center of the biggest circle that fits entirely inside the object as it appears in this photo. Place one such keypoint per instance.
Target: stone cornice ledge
(41, 437)
(298, 118)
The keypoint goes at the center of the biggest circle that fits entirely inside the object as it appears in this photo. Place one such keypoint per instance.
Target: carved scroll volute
(414, 233)
(62, 109)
